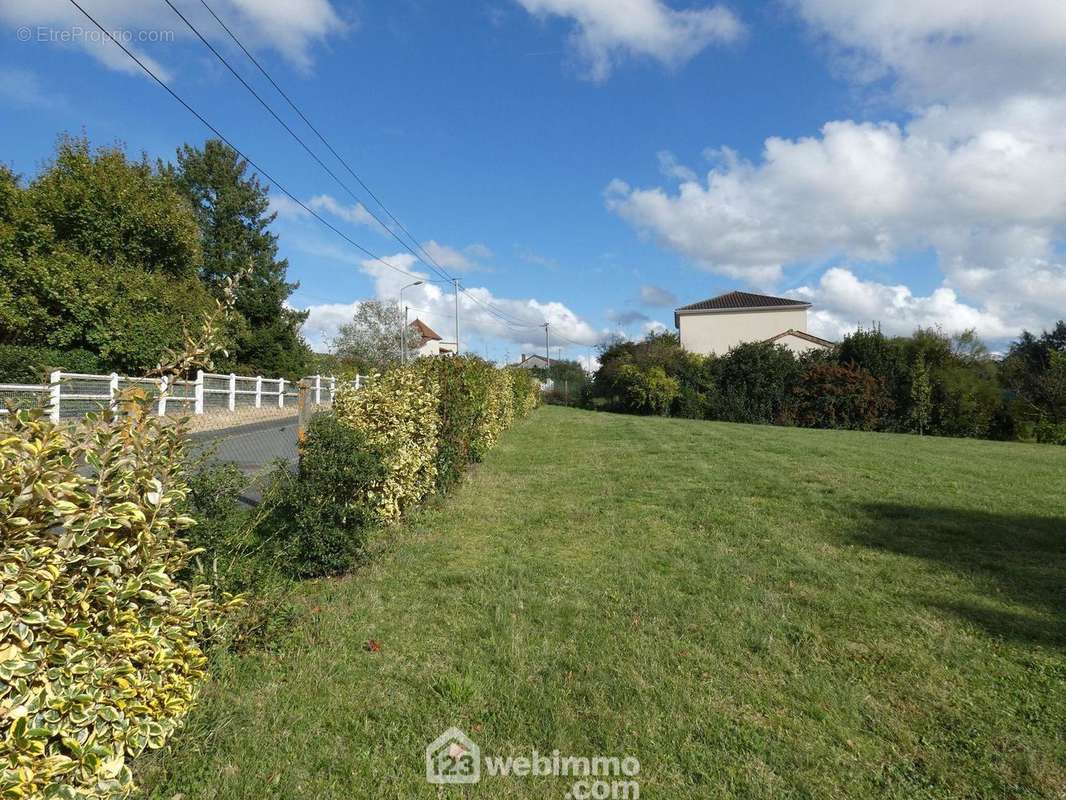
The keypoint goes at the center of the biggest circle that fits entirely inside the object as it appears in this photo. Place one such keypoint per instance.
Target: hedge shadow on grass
(1006, 561)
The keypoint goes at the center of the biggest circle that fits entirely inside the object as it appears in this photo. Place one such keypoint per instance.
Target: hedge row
(429, 420)
(100, 642)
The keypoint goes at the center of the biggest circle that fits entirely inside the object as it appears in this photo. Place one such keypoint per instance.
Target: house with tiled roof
(424, 341)
(713, 326)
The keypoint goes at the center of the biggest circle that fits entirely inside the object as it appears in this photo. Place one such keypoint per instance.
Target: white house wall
(797, 345)
(714, 334)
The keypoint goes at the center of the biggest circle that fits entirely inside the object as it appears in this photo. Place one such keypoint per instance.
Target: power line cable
(220, 135)
(509, 319)
(508, 322)
(292, 104)
(432, 264)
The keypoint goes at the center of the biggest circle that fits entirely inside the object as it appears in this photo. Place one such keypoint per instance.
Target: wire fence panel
(22, 395)
(211, 400)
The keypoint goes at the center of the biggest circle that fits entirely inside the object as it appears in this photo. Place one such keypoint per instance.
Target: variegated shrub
(398, 413)
(498, 413)
(526, 392)
(100, 643)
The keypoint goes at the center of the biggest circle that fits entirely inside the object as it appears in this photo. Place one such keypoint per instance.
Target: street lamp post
(403, 324)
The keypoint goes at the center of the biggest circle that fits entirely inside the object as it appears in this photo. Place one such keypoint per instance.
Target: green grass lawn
(752, 612)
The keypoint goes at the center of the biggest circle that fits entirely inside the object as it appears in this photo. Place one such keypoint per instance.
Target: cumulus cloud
(437, 304)
(451, 258)
(842, 302)
(289, 27)
(948, 50)
(977, 173)
(606, 31)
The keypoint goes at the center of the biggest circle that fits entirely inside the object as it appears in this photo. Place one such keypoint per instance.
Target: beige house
(532, 361)
(424, 341)
(712, 327)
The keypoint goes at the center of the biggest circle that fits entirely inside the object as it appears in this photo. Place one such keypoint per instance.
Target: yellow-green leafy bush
(526, 391)
(100, 644)
(399, 414)
(498, 414)
(464, 383)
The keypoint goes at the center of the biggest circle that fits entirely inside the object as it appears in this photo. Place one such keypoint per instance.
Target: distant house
(532, 361)
(712, 327)
(424, 341)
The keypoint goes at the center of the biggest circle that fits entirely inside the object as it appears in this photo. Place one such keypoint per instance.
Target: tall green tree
(1035, 372)
(99, 255)
(232, 209)
(921, 394)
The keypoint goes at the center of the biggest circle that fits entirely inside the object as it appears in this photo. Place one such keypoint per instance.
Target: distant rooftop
(737, 301)
(426, 332)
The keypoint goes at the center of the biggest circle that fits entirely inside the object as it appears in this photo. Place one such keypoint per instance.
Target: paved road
(254, 447)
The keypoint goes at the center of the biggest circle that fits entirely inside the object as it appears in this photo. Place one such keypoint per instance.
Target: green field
(750, 611)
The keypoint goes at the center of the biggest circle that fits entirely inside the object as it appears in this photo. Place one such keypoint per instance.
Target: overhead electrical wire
(430, 262)
(221, 136)
(344, 163)
(508, 320)
(423, 255)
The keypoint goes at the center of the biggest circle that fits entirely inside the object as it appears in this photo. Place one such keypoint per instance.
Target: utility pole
(404, 342)
(455, 282)
(403, 325)
(547, 348)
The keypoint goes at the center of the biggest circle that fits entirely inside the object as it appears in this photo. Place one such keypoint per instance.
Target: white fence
(73, 394)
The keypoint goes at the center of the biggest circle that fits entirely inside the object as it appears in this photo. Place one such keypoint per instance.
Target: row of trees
(925, 383)
(104, 261)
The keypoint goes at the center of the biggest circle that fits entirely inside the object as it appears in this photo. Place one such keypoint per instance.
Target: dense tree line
(926, 383)
(104, 259)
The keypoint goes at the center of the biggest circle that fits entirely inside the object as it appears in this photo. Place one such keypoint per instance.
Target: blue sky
(587, 162)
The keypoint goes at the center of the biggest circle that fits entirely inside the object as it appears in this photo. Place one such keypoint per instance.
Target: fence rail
(73, 394)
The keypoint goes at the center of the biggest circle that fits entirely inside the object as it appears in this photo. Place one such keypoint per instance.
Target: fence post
(303, 410)
(318, 390)
(281, 393)
(332, 388)
(113, 391)
(164, 387)
(198, 393)
(358, 377)
(258, 391)
(232, 392)
(53, 391)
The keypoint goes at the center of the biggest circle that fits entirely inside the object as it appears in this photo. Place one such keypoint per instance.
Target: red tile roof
(426, 332)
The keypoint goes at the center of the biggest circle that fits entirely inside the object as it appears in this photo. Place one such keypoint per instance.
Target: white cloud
(459, 260)
(606, 31)
(843, 302)
(949, 49)
(976, 173)
(356, 214)
(286, 208)
(437, 304)
(478, 251)
(289, 27)
(671, 168)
